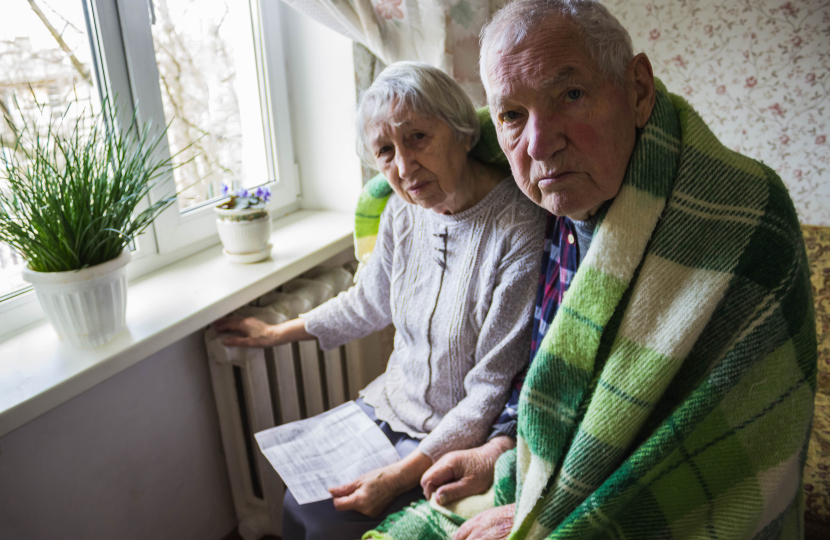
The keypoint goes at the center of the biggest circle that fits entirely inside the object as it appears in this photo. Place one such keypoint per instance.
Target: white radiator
(258, 389)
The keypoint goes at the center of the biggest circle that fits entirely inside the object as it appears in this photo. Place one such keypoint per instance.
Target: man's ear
(640, 77)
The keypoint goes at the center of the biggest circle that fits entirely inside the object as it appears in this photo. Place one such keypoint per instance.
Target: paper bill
(328, 450)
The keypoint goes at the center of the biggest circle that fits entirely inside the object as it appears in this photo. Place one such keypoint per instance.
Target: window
(210, 92)
(45, 61)
(211, 73)
(203, 67)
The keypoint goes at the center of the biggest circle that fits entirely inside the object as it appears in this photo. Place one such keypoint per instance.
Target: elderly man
(671, 387)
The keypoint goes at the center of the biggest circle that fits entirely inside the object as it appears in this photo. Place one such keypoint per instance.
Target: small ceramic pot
(85, 307)
(244, 233)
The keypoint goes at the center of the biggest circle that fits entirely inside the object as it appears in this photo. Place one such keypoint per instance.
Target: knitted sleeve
(364, 308)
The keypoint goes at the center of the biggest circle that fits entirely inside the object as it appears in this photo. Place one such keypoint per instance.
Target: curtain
(443, 33)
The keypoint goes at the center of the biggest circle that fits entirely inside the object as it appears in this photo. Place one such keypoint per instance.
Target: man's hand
(251, 332)
(370, 494)
(492, 524)
(464, 472)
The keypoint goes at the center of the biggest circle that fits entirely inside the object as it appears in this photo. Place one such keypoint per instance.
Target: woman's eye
(509, 116)
(573, 94)
(383, 150)
(418, 135)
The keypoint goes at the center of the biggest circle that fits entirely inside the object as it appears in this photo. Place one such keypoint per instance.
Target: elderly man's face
(567, 131)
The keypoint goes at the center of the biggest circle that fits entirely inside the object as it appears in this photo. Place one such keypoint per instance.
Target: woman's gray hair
(605, 39)
(417, 88)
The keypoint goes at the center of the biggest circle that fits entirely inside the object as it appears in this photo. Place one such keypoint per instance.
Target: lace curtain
(443, 33)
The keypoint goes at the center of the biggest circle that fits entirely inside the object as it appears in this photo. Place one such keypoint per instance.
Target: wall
(321, 92)
(136, 457)
(757, 71)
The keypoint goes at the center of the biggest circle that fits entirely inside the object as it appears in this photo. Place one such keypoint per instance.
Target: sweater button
(570, 238)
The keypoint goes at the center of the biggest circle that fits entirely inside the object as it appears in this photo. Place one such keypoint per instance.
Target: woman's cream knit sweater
(460, 291)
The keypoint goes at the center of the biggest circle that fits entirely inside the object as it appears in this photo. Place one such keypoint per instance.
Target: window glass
(45, 61)
(211, 95)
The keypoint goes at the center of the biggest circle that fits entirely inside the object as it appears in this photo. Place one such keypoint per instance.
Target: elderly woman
(454, 269)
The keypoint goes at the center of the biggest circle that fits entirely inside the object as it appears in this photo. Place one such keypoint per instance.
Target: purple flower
(224, 190)
(263, 194)
(242, 193)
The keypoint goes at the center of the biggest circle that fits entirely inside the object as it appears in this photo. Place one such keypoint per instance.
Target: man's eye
(573, 94)
(509, 116)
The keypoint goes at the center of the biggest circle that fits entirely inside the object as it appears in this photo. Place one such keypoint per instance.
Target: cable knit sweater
(459, 290)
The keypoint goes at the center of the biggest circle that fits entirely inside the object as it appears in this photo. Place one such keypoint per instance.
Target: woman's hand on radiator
(373, 492)
(252, 332)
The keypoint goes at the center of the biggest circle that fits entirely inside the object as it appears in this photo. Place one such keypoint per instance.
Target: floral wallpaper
(464, 21)
(758, 72)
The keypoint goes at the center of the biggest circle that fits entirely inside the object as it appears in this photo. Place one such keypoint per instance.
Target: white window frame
(111, 68)
(174, 229)
(124, 61)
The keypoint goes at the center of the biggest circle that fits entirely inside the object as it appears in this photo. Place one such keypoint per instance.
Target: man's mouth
(549, 182)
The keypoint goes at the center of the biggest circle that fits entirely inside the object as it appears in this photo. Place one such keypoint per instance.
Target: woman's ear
(640, 79)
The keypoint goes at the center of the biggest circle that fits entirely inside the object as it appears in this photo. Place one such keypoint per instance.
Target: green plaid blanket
(673, 393)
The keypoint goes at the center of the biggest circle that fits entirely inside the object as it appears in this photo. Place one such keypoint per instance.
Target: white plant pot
(85, 307)
(244, 234)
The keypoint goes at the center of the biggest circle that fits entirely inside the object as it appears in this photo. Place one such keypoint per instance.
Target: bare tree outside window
(209, 88)
(45, 63)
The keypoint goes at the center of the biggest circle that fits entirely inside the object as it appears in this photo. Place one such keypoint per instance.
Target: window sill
(38, 372)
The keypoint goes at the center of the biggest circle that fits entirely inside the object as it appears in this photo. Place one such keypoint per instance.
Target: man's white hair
(605, 39)
(419, 88)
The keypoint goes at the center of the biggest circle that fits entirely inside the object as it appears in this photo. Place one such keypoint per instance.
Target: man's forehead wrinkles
(505, 92)
(565, 74)
(531, 74)
(498, 101)
(500, 88)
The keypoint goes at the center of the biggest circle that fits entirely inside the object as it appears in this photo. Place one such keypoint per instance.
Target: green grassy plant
(69, 201)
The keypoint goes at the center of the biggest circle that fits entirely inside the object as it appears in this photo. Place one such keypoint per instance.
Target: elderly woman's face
(567, 131)
(422, 160)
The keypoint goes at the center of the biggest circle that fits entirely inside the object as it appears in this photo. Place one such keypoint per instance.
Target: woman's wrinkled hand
(370, 494)
(463, 473)
(250, 332)
(492, 524)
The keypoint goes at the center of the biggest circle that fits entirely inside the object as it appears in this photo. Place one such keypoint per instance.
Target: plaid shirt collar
(560, 261)
(559, 264)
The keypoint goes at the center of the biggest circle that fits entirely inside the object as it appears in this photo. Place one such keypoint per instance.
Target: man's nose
(545, 136)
